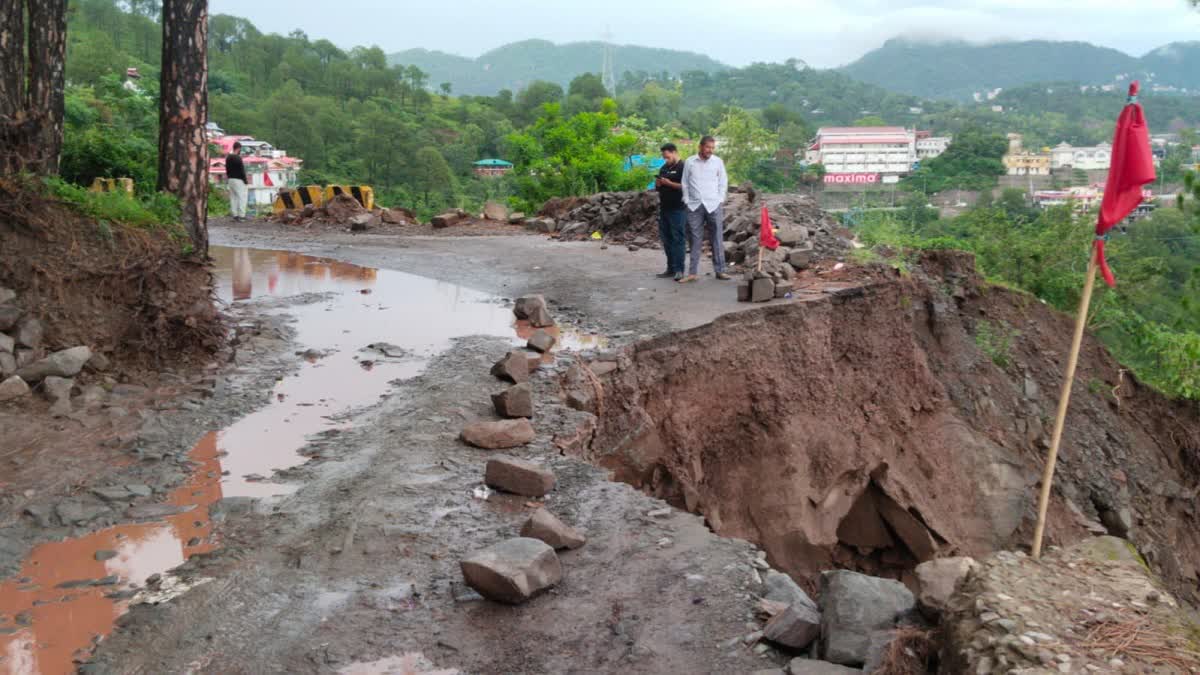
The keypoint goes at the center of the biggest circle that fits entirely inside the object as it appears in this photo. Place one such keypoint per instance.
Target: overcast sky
(824, 33)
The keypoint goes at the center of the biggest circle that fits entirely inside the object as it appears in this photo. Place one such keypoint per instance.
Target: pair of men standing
(690, 197)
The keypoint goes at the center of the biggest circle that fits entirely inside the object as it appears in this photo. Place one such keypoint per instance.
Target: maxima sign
(851, 178)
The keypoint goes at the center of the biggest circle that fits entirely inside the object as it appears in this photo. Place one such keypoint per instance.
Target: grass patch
(996, 339)
(157, 211)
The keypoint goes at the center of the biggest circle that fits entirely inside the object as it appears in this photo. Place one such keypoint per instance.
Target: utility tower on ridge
(606, 67)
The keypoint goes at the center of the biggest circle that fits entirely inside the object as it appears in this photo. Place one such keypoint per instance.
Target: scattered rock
(512, 571)
(9, 315)
(499, 435)
(113, 493)
(156, 510)
(743, 291)
(495, 211)
(796, 627)
(13, 387)
(75, 512)
(547, 527)
(397, 216)
(516, 401)
(514, 367)
(446, 219)
(578, 399)
(800, 259)
(526, 304)
(541, 341)
(534, 360)
(7, 295)
(516, 218)
(363, 222)
(937, 581)
(762, 290)
(853, 606)
(8, 365)
(105, 554)
(518, 476)
(7, 344)
(58, 388)
(30, 332)
(92, 396)
(815, 667)
(540, 318)
(65, 363)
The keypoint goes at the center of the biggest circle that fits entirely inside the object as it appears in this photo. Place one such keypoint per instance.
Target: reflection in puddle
(44, 628)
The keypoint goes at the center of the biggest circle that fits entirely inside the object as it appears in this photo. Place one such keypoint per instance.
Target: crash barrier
(297, 198)
(363, 194)
(112, 185)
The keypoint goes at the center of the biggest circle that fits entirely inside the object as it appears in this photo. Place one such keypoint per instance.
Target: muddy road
(306, 511)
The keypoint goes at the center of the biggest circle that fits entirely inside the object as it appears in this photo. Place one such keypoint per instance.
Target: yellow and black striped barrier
(112, 185)
(363, 194)
(289, 199)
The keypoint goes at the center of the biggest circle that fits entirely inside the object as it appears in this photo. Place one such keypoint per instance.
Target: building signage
(851, 178)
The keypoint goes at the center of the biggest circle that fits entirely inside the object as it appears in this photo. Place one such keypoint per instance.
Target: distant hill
(1177, 63)
(954, 69)
(515, 65)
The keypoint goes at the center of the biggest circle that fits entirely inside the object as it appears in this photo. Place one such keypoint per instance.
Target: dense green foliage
(1150, 320)
(956, 70)
(972, 162)
(516, 65)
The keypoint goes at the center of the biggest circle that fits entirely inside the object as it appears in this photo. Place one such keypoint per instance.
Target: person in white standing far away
(705, 185)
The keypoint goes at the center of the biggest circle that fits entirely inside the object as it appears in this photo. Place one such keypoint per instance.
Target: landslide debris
(865, 428)
(632, 218)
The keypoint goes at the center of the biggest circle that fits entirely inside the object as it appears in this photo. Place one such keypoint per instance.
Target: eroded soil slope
(877, 426)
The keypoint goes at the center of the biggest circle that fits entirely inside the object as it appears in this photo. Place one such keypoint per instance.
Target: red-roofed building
(267, 169)
(861, 151)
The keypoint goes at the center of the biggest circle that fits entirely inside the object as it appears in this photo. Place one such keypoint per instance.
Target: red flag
(766, 235)
(1132, 167)
(267, 179)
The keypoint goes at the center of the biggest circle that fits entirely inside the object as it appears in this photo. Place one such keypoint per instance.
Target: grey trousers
(702, 222)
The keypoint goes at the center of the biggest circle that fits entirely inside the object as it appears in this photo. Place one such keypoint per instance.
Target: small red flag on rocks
(766, 235)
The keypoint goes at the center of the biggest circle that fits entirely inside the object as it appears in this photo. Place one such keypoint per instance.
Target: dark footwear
(723, 277)
(678, 276)
(665, 275)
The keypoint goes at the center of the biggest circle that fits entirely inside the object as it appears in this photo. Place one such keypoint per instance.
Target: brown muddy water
(68, 594)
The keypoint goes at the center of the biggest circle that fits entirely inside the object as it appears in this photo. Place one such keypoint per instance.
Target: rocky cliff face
(876, 426)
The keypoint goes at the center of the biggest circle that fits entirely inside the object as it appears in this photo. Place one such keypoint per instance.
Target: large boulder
(13, 387)
(853, 607)
(512, 571)
(518, 476)
(516, 401)
(397, 216)
(499, 435)
(546, 527)
(514, 367)
(495, 211)
(65, 363)
(938, 579)
(446, 219)
(779, 587)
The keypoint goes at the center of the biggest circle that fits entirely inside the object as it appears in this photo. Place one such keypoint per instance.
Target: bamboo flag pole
(759, 267)
(1064, 400)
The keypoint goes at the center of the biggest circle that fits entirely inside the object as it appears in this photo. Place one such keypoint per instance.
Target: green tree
(744, 143)
(432, 175)
(870, 121)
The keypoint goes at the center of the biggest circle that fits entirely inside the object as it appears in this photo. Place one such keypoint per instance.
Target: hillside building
(492, 167)
(1021, 162)
(929, 147)
(1093, 158)
(863, 155)
(267, 168)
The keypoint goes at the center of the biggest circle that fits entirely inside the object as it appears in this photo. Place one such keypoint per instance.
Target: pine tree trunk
(12, 85)
(183, 112)
(47, 56)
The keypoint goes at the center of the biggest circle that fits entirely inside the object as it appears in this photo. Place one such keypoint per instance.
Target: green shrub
(153, 211)
(995, 339)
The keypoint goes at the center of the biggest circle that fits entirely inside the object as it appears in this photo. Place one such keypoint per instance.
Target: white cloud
(822, 32)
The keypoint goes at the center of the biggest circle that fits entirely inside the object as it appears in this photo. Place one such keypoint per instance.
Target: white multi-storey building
(932, 146)
(864, 150)
(1095, 158)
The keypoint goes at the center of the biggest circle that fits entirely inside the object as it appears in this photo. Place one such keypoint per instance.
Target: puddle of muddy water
(44, 627)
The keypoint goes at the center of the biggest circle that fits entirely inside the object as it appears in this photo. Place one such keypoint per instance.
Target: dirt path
(355, 557)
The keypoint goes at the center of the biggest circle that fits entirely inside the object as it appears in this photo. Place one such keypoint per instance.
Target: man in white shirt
(704, 186)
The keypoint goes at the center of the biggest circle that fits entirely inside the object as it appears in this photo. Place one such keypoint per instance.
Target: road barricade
(363, 194)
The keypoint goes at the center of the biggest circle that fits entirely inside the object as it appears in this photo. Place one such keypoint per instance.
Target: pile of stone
(24, 361)
(631, 218)
(852, 626)
(517, 570)
(345, 211)
(1092, 607)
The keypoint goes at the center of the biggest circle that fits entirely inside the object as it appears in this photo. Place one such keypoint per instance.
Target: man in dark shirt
(672, 215)
(235, 174)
